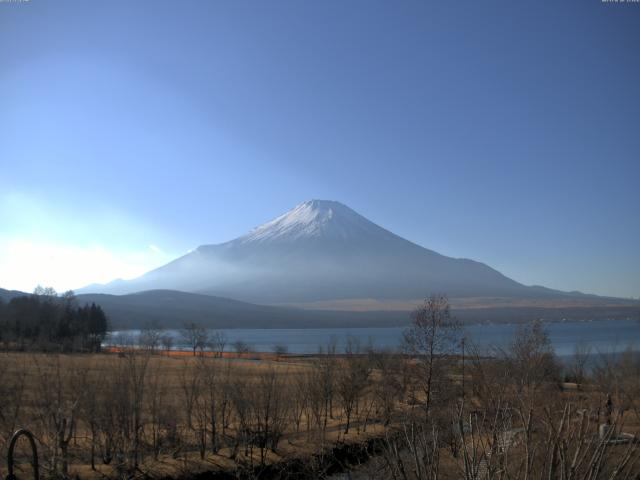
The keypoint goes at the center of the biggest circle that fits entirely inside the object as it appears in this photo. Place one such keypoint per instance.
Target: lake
(604, 336)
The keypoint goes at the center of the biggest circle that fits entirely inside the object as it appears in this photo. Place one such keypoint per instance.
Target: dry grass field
(175, 400)
(426, 414)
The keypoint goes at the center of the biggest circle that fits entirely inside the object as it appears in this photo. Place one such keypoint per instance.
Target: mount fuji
(323, 251)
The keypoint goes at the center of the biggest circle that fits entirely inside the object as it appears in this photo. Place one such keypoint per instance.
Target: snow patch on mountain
(321, 219)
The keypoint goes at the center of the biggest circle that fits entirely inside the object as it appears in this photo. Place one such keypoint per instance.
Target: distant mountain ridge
(172, 309)
(322, 250)
(7, 295)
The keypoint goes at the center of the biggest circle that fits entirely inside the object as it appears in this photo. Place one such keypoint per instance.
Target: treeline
(48, 322)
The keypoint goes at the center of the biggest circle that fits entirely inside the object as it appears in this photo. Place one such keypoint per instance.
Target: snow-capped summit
(317, 219)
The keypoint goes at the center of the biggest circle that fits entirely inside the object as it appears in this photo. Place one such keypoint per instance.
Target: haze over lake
(604, 336)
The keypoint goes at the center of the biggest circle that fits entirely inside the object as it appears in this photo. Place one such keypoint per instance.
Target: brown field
(51, 384)
(156, 415)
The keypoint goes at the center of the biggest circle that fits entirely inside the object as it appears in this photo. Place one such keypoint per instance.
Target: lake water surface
(603, 336)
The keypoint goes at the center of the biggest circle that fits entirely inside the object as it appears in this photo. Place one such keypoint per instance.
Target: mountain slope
(7, 295)
(172, 309)
(323, 250)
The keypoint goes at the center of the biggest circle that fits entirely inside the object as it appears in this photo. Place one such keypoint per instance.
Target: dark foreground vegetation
(46, 321)
(440, 408)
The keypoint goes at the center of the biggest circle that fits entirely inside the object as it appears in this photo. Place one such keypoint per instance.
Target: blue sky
(507, 132)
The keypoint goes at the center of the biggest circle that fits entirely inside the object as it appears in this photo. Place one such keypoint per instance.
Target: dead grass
(171, 367)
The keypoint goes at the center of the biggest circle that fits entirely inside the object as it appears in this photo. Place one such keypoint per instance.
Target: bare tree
(280, 349)
(269, 411)
(41, 291)
(578, 363)
(322, 386)
(150, 337)
(299, 398)
(91, 386)
(532, 361)
(195, 336)
(617, 375)
(194, 406)
(432, 339)
(155, 409)
(211, 381)
(241, 347)
(136, 370)
(218, 342)
(352, 379)
(240, 396)
(167, 342)
(389, 389)
(57, 406)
